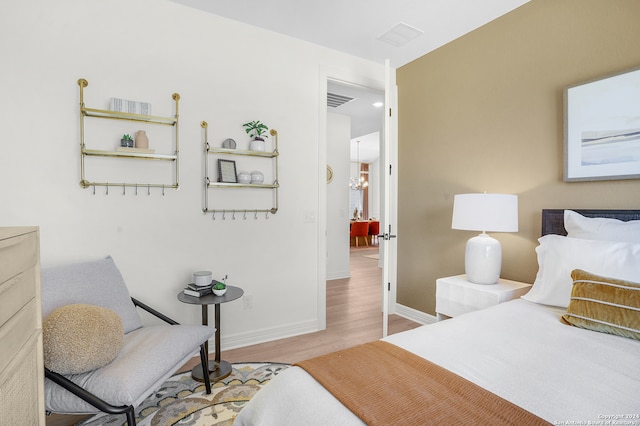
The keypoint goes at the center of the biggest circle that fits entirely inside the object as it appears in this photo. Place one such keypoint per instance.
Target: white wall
(226, 73)
(338, 135)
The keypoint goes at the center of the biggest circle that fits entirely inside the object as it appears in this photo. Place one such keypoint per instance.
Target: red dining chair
(360, 230)
(374, 230)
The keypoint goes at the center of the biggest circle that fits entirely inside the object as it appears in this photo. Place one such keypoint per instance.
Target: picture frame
(602, 128)
(227, 171)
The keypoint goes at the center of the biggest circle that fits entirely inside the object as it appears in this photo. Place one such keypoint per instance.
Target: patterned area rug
(183, 401)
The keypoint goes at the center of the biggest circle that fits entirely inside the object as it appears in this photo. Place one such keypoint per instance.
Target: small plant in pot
(257, 131)
(126, 141)
(219, 288)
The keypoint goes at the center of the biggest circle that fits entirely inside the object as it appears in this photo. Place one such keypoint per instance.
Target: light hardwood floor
(354, 316)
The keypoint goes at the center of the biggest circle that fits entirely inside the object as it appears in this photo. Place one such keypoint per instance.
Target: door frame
(344, 76)
(390, 198)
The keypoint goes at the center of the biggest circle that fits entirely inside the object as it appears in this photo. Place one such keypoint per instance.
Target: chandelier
(359, 183)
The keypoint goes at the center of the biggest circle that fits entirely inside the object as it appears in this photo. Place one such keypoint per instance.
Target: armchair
(148, 356)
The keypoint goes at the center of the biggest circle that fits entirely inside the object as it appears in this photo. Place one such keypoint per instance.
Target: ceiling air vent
(334, 100)
(400, 34)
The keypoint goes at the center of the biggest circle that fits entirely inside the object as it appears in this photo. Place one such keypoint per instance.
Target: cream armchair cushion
(79, 338)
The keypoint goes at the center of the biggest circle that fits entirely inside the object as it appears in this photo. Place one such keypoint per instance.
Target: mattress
(518, 350)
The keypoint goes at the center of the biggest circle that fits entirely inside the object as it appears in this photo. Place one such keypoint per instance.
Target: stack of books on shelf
(198, 291)
(135, 107)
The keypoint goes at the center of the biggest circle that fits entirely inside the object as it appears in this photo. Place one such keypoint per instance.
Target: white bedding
(518, 350)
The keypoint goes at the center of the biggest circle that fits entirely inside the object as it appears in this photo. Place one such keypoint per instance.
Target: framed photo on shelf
(602, 129)
(227, 171)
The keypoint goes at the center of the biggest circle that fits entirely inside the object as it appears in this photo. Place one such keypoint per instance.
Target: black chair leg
(204, 359)
(87, 396)
(131, 416)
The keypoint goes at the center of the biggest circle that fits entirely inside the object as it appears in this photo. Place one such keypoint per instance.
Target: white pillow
(558, 256)
(600, 228)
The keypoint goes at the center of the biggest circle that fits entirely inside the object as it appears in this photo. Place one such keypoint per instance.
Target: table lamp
(484, 212)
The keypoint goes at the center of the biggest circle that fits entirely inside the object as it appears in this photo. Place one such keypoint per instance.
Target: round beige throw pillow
(80, 338)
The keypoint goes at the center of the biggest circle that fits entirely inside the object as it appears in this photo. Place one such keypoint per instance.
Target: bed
(563, 353)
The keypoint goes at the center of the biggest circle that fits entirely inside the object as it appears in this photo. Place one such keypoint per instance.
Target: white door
(390, 198)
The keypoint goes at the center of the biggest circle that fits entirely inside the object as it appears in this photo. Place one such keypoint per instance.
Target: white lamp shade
(485, 212)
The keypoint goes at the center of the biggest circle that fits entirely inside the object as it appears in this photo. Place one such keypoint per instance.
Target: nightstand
(456, 296)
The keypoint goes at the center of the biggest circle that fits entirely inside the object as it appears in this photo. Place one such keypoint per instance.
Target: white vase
(257, 145)
(257, 177)
(244, 177)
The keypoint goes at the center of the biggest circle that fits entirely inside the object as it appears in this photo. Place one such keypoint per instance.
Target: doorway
(384, 82)
(355, 124)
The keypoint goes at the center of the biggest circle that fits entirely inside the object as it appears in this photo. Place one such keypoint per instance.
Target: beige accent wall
(485, 113)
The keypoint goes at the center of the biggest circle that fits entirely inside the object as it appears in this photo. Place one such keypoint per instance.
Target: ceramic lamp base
(483, 259)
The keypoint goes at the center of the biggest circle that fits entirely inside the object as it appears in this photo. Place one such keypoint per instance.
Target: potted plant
(257, 131)
(219, 288)
(126, 141)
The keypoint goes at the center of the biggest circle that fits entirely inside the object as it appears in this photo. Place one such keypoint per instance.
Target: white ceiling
(369, 148)
(353, 26)
(365, 117)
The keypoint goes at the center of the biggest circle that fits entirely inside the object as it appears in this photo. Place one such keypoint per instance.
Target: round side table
(217, 369)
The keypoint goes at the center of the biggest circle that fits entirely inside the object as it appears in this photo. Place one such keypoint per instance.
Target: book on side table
(195, 291)
(199, 291)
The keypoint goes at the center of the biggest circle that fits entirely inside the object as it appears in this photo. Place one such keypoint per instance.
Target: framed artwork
(602, 129)
(227, 171)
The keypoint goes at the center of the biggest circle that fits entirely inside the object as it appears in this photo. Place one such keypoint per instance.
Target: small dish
(229, 144)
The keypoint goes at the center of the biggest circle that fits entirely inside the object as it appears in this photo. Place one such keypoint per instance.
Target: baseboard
(338, 275)
(254, 337)
(414, 315)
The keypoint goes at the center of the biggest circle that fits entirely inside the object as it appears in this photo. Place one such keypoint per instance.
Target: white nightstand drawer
(456, 296)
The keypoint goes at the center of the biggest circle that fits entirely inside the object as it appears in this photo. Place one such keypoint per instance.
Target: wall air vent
(334, 100)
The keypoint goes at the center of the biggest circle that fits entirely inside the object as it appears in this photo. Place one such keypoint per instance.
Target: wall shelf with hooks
(117, 154)
(212, 183)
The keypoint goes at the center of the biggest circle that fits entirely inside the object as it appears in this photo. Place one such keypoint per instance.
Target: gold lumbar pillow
(79, 338)
(603, 304)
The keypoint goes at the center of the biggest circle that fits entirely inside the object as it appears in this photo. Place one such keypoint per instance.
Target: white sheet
(518, 350)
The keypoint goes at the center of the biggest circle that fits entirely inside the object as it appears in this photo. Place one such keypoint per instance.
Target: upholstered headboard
(553, 219)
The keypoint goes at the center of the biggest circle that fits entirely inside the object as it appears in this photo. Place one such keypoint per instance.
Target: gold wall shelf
(116, 115)
(101, 113)
(100, 153)
(211, 184)
(241, 185)
(269, 154)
